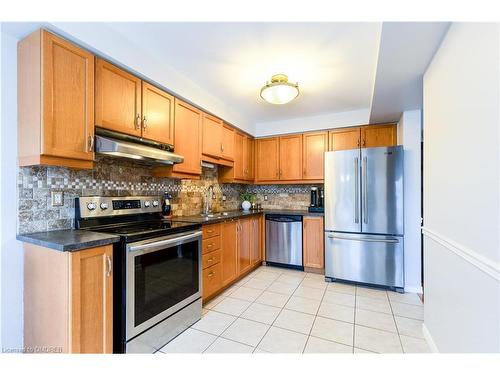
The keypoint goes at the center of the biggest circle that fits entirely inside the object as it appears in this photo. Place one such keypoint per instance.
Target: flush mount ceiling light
(279, 90)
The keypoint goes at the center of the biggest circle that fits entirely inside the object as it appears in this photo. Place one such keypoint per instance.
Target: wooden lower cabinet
(255, 241)
(244, 245)
(313, 237)
(212, 280)
(68, 299)
(229, 251)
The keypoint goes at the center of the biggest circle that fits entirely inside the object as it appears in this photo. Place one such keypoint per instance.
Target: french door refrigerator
(364, 216)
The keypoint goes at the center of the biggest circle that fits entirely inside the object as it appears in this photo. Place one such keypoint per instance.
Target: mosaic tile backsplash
(118, 177)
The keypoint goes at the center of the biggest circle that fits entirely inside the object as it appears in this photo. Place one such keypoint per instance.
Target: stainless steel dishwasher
(284, 240)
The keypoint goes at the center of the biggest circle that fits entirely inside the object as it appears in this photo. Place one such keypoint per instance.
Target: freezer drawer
(284, 239)
(370, 259)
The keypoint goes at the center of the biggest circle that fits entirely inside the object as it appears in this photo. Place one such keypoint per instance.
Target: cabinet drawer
(211, 258)
(211, 230)
(212, 280)
(210, 245)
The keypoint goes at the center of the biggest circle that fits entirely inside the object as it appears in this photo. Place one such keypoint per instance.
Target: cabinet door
(212, 280)
(314, 147)
(229, 247)
(157, 114)
(344, 139)
(187, 137)
(255, 253)
(244, 239)
(92, 300)
(67, 99)
(239, 159)
(313, 242)
(267, 159)
(291, 157)
(118, 99)
(248, 158)
(212, 136)
(379, 135)
(227, 150)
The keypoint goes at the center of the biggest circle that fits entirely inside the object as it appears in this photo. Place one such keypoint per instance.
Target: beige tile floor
(286, 311)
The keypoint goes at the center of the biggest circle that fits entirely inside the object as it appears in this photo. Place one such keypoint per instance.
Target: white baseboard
(428, 338)
(413, 289)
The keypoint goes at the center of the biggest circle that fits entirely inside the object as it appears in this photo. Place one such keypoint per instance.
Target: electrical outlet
(265, 197)
(214, 196)
(57, 198)
(224, 197)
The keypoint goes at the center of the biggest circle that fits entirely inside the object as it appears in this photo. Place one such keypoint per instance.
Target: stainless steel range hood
(119, 148)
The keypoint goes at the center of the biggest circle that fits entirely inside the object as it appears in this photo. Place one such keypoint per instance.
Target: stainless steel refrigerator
(364, 216)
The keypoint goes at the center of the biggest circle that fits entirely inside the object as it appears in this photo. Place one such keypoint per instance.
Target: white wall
(461, 191)
(11, 251)
(319, 122)
(410, 135)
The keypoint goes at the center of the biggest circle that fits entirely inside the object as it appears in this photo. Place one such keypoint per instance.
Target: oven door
(163, 276)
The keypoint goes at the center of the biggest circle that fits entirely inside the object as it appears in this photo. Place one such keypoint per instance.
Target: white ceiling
(334, 63)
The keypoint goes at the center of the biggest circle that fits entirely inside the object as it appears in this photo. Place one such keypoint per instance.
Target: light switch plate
(265, 197)
(57, 198)
(223, 197)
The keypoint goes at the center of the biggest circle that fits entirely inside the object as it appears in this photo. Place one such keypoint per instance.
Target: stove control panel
(87, 207)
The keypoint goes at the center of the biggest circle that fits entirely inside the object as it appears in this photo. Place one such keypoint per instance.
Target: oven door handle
(161, 244)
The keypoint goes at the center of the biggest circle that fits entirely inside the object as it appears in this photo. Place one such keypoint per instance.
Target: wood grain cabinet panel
(255, 244)
(118, 103)
(68, 299)
(313, 242)
(212, 280)
(212, 136)
(383, 135)
(227, 150)
(244, 245)
(157, 114)
(344, 139)
(187, 137)
(55, 102)
(314, 147)
(248, 159)
(239, 158)
(267, 155)
(291, 157)
(229, 250)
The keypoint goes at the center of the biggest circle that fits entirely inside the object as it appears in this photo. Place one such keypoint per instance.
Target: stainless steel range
(157, 270)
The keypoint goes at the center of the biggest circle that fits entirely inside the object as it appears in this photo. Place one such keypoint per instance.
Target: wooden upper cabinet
(267, 156)
(212, 136)
(248, 158)
(383, 135)
(313, 242)
(244, 243)
(239, 159)
(157, 114)
(290, 157)
(345, 139)
(187, 137)
(118, 99)
(227, 149)
(55, 102)
(229, 248)
(314, 147)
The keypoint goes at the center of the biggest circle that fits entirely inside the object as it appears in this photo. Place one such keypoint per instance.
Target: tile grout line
(314, 320)
(396, 324)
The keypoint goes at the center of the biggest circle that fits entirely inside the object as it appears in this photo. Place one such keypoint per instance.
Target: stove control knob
(155, 203)
(147, 204)
(104, 206)
(91, 206)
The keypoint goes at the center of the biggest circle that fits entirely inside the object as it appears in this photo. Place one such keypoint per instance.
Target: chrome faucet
(208, 198)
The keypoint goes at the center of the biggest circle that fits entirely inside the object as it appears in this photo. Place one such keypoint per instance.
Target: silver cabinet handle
(356, 190)
(110, 266)
(138, 122)
(91, 143)
(144, 122)
(365, 189)
(366, 239)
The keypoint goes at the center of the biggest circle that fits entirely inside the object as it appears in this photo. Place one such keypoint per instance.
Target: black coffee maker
(317, 199)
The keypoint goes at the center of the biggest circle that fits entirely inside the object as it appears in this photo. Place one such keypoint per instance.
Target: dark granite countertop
(239, 213)
(69, 239)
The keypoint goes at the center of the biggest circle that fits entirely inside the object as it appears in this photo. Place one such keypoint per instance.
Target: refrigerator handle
(365, 189)
(356, 190)
(363, 239)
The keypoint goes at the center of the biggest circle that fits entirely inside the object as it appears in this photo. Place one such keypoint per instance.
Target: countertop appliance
(317, 199)
(157, 269)
(364, 216)
(284, 240)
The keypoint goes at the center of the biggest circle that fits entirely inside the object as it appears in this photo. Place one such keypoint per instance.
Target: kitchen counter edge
(238, 214)
(69, 239)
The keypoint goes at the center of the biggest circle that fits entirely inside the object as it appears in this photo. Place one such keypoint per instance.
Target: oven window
(164, 278)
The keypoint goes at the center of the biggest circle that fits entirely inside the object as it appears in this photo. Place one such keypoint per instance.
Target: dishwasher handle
(284, 218)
